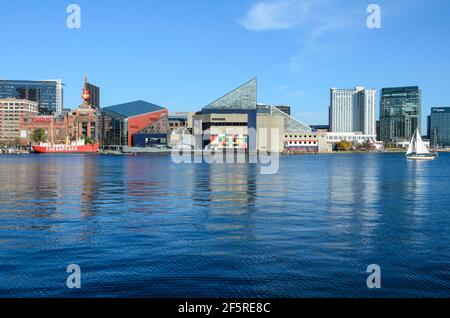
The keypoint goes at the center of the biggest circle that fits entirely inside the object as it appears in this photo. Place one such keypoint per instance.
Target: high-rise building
(400, 112)
(94, 93)
(440, 126)
(48, 94)
(11, 112)
(353, 110)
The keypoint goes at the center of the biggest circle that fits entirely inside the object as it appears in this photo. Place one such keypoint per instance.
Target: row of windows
(348, 138)
(302, 142)
(15, 104)
(225, 124)
(300, 136)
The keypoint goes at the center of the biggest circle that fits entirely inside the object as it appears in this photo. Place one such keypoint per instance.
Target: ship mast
(51, 133)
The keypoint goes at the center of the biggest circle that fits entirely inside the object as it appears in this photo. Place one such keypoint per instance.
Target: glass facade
(243, 100)
(48, 94)
(119, 123)
(243, 97)
(285, 109)
(400, 111)
(290, 124)
(440, 127)
(114, 129)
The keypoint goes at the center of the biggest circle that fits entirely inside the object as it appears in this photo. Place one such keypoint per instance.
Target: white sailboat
(418, 150)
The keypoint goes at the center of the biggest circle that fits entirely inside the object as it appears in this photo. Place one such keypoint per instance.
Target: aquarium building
(134, 124)
(237, 121)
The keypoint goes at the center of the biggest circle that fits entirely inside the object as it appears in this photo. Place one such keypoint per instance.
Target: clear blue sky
(183, 54)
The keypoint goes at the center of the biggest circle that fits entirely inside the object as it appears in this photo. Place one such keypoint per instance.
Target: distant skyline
(185, 54)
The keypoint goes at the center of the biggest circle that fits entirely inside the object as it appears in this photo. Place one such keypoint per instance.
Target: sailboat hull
(422, 157)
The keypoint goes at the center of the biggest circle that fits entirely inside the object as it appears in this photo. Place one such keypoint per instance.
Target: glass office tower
(440, 127)
(48, 94)
(400, 111)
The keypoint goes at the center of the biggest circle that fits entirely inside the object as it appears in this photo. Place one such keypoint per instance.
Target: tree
(88, 141)
(344, 146)
(367, 146)
(39, 135)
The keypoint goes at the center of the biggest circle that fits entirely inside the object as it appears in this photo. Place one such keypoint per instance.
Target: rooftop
(243, 97)
(135, 108)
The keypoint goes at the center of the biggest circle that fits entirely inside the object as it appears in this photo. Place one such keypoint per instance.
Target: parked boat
(75, 147)
(418, 150)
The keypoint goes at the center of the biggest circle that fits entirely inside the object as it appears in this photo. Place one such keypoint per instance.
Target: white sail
(421, 148)
(412, 145)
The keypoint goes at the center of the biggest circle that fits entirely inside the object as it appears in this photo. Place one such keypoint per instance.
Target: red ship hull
(67, 149)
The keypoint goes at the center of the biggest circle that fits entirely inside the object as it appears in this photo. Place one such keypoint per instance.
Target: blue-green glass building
(440, 126)
(48, 94)
(400, 112)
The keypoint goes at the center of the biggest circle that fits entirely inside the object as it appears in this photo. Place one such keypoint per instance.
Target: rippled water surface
(146, 227)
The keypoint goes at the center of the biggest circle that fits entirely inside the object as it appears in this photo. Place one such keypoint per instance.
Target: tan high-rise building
(11, 112)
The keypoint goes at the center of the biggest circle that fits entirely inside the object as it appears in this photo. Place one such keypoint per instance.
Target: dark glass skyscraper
(48, 94)
(440, 126)
(94, 93)
(400, 115)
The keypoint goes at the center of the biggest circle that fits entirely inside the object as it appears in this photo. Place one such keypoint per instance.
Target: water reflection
(145, 226)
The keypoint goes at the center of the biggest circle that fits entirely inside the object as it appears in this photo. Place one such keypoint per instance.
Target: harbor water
(144, 226)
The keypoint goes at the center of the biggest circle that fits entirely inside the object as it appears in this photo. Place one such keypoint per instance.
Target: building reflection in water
(232, 185)
(353, 198)
(90, 186)
(378, 198)
(224, 196)
(147, 184)
(29, 188)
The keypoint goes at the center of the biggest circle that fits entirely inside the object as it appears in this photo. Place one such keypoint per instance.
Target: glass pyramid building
(243, 97)
(290, 123)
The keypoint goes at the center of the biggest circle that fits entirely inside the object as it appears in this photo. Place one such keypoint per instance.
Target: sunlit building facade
(134, 124)
(400, 113)
(11, 113)
(48, 94)
(353, 110)
(237, 121)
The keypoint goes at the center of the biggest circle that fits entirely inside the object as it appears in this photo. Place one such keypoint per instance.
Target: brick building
(74, 125)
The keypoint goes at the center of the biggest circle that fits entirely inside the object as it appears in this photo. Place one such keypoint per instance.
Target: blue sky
(184, 54)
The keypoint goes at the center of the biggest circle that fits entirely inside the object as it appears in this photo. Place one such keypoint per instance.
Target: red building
(120, 124)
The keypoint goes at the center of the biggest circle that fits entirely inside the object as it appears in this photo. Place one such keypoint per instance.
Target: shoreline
(168, 151)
